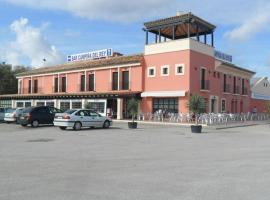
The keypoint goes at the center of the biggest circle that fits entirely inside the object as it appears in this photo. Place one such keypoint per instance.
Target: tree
(197, 106)
(8, 81)
(132, 108)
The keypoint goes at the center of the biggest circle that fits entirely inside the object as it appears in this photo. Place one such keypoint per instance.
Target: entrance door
(112, 108)
(213, 105)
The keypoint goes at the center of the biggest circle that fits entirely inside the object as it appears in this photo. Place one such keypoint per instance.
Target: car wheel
(63, 128)
(77, 126)
(35, 123)
(106, 124)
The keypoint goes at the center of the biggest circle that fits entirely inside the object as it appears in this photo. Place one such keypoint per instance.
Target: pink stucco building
(179, 60)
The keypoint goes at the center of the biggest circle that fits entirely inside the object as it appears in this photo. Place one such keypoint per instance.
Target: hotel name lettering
(90, 55)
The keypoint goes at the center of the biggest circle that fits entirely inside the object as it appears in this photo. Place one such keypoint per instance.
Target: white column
(31, 85)
(119, 109)
(13, 104)
(85, 81)
(118, 78)
(83, 103)
(58, 76)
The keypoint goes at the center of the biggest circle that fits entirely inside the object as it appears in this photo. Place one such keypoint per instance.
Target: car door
(2, 114)
(83, 117)
(96, 120)
(42, 115)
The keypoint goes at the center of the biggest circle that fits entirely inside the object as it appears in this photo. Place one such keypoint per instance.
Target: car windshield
(10, 110)
(70, 111)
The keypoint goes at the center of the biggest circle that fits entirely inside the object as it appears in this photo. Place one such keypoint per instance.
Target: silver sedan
(79, 118)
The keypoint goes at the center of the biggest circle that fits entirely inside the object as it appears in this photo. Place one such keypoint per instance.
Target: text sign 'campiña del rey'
(90, 55)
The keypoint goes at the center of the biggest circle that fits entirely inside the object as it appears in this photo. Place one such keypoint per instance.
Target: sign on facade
(90, 55)
(223, 56)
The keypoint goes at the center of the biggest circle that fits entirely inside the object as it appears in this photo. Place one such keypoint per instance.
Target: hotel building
(179, 60)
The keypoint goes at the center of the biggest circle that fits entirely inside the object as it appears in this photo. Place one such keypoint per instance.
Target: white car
(79, 118)
(12, 115)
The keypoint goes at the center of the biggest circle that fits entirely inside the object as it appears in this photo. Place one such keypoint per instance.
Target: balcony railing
(205, 84)
(38, 90)
(87, 88)
(121, 86)
(227, 88)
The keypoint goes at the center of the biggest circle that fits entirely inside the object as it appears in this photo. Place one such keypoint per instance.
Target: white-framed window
(179, 69)
(223, 105)
(151, 71)
(165, 70)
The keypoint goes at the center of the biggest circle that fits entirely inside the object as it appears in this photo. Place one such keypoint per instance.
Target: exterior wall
(171, 82)
(48, 84)
(261, 105)
(103, 80)
(198, 61)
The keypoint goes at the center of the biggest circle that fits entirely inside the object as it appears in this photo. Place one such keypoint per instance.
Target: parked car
(12, 115)
(2, 113)
(38, 115)
(79, 118)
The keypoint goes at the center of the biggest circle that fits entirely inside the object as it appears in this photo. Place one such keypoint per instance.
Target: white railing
(206, 118)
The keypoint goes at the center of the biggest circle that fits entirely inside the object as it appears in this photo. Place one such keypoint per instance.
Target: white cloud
(117, 10)
(30, 44)
(251, 27)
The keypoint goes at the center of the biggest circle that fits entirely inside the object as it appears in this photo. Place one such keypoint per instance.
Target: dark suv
(38, 115)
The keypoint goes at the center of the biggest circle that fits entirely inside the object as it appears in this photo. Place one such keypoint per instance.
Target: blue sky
(31, 29)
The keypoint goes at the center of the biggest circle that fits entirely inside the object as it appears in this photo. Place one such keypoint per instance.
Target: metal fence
(206, 118)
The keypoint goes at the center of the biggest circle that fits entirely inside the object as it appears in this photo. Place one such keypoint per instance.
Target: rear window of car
(10, 110)
(70, 111)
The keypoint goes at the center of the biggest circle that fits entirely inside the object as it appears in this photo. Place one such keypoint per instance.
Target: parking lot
(153, 162)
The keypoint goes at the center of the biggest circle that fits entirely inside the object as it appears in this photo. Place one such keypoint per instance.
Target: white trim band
(164, 94)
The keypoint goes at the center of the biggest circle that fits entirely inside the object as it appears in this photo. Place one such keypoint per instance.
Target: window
(5, 103)
(168, 105)
(204, 82)
(56, 85)
(151, 71)
(27, 104)
(91, 82)
(19, 105)
(179, 69)
(64, 105)
(82, 83)
(50, 104)
(76, 105)
(244, 91)
(64, 87)
(93, 114)
(223, 105)
(35, 86)
(97, 106)
(125, 83)
(115, 81)
(40, 103)
(235, 88)
(54, 110)
(165, 70)
(29, 86)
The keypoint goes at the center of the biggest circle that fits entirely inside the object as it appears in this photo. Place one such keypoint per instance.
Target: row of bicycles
(205, 118)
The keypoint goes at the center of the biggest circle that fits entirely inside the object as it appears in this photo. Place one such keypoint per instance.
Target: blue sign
(90, 55)
(223, 56)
